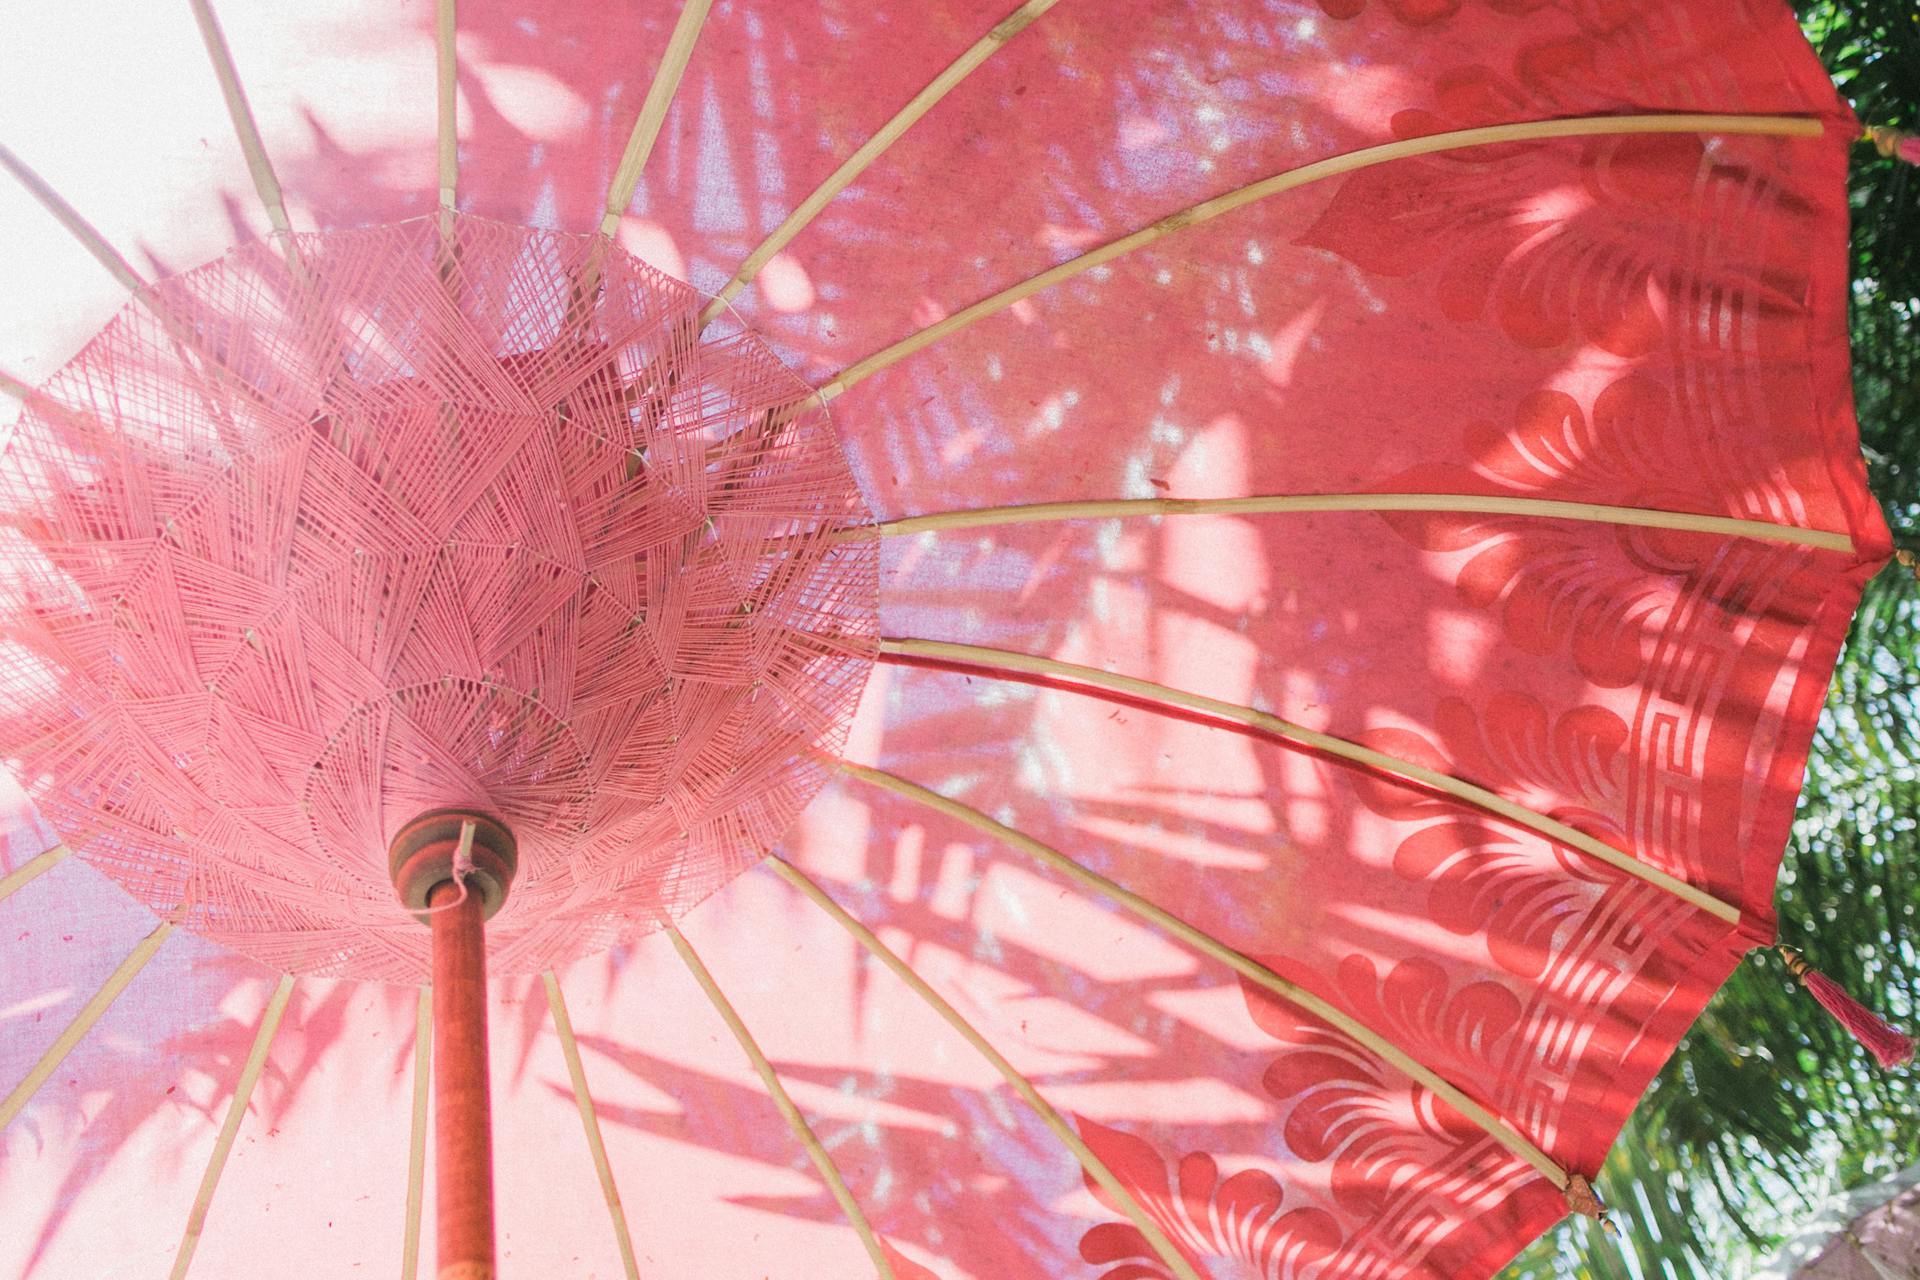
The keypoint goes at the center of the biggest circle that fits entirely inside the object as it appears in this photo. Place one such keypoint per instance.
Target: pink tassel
(1889, 1047)
(1895, 144)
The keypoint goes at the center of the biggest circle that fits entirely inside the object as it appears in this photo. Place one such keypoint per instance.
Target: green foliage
(1768, 1106)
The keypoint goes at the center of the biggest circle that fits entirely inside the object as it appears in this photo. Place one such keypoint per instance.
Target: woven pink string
(294, 553)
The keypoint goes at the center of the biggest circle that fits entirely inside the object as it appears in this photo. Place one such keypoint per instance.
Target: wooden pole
(454, 867)
(463, 1133)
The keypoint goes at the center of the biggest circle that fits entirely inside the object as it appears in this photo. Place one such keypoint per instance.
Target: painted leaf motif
(1555, 586)
(1380, 1130)
(1589, 255)
(1230, 1228)
(1485, 878)
(904, 1268)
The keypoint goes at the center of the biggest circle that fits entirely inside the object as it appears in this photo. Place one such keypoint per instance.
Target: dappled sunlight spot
(1232, 794)
(1138, 132)
(1555, 206)
(1215, 461)
(1052, 413)
(926, 312)
(534, 101)
(868, 728)
(825, 1104)
(1587, 371)
(831, 835)
(1468, 951)
(1218, 560)
(1201, 656)
(1123, 551)
(1040, 1032)
(909, 846)
(1193, 850)
(1217, 1012)
(49, 999)
(1459, 644)
(1203, 1102)
(1056, 921)
(785, 284)
(1041, 571)
(1306, 807)
(719, 204)
(963, 446)
(653, 244)
(1294, 337)
(955, 883)
(1067, 240)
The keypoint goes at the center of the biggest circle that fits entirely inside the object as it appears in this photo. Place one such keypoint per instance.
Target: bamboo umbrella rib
(258, 166)
(1333, 166)
(446, 83)
(236, 1111)
(18, 389)
(869, 151)
(590, 1121)
(653, 112)
(1481, 798)
(78, 227)
(778, 1092)
(32, 869)
(1496, 1127)
(417, 1144)
(1096, 1168)
(83, 1022)
(1296, 504)
(185, 340)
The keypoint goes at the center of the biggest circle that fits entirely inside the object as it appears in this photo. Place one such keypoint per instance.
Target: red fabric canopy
(1462, 753)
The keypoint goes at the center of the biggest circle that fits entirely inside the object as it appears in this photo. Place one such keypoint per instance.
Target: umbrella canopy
(1124, 639)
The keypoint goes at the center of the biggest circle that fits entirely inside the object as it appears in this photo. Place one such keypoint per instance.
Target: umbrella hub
(436, 849)
(354, 528)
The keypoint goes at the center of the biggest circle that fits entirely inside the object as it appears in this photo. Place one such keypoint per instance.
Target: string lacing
(462, 868)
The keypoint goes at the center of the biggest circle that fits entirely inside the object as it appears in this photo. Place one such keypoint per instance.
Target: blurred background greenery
(1768, 1107)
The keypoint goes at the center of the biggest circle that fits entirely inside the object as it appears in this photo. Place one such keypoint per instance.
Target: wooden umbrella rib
(1095, 1167)
(259, 167)
(83, 1022)
(1299, 504)
(446, 93)
(590, 1122)
(78, 227)
(417, 1140)
(32, 869)
(797, 1122)
(230, 1129)
(653, 112)
(1333, 166)
(1496, 1127)
(1479, 797)
(872, 149)
(181, 335)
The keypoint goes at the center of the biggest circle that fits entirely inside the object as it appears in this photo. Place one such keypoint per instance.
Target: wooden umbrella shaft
(454, 866)
(463, 1133)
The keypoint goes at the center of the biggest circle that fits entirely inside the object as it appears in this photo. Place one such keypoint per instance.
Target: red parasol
(1196, 624)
